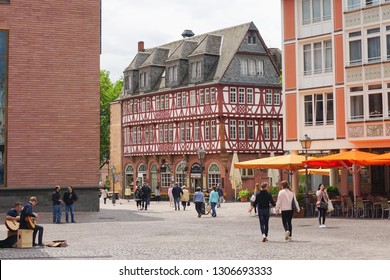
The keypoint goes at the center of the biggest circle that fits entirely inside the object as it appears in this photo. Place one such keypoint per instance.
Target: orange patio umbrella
(290, 162)
(383, 159)
(344, 159)
(350, 159)
(314, 171)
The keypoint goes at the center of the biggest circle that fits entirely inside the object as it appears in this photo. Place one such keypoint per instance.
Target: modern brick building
(219, 91)
(337, 82)
(49, 107)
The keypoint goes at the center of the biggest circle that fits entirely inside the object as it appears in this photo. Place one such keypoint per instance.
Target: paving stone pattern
(123, 232)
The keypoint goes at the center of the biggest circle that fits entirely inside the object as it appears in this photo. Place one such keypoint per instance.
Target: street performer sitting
(12, 223)
(28, 218)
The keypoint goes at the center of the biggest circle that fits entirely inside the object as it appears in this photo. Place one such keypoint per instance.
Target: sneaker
(264, 238)
(287, 235)
(199, 215)
(324, 226)
(320, 226)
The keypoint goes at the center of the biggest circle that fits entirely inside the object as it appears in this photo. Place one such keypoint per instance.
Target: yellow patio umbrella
(291, 162)
(313, 171)
(235, 175)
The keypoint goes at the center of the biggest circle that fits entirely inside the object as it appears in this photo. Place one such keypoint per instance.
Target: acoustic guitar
(12, 225)
(30, 222)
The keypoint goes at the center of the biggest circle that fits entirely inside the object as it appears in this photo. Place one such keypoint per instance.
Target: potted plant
(244, 194)
(332, 191)
(300, 199)
(274, 192)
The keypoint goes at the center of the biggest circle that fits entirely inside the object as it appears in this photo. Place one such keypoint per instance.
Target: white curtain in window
(355, 51)
(317, 49)
(353, 4)
(306, 11)
(357, 111)
(328, 56)
(316, 10)
(308, 110)
(326, 9)
(319, 109)
(374, 48)
(307, 59)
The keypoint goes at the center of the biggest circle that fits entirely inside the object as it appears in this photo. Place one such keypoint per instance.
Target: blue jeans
(71, 209)
(264, 220)
(213, 211)
(176, 201)
(57, 213)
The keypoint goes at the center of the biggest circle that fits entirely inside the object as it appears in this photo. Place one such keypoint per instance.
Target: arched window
(129, 173)
(180, 175)
(153, 176)
(214, 175)
(141, 176)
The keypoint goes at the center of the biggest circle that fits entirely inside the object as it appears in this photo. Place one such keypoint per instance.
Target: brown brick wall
(53, 92)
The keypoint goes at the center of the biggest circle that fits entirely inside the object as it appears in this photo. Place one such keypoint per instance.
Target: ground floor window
(214, 175)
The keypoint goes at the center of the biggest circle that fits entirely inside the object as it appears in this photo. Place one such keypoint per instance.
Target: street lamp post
(306, 143)
(183, 165)
(113, 170)
(201, 155)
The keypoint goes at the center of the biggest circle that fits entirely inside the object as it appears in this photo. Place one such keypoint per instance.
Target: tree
(108, 93)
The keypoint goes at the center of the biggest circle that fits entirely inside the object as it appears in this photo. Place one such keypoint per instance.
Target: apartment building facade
(336, 61)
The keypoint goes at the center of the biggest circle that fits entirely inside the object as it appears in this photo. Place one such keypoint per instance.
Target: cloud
(156, 22)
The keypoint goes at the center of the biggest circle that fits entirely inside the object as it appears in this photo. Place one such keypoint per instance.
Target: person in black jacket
(57, 211)
(69, 199)
(146, 192)
(262, 202)
(176, 193)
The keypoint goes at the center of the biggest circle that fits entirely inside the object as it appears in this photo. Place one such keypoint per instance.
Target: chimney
(141, 46)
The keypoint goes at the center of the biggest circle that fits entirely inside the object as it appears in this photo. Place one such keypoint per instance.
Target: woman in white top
(322, 196)
(284, 204)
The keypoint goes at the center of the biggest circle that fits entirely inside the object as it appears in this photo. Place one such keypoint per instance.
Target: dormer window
(196, 70)
(172, 74)
(143, 79)
(251, 39)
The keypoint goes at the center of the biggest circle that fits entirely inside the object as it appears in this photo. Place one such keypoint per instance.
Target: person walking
(57, 211)
(255, 192)
(185, 197)
(213, 199)
(138, 197)
(220, 193)
(322, 204)
(198, 201)
(146, 193)
(176, 194)
(157, 193)
(262, 202)
(284, 204)
(170, 196)
(104, 194)
(69, 199)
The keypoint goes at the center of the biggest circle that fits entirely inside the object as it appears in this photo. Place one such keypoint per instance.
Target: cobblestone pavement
(123, 232)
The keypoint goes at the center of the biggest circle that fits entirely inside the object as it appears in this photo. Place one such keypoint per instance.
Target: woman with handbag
(286, 203)
(322, 204)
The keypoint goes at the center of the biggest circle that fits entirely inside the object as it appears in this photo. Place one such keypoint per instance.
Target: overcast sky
(156, 22)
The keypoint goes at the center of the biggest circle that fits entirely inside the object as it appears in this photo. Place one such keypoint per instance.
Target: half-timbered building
(219, 91)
